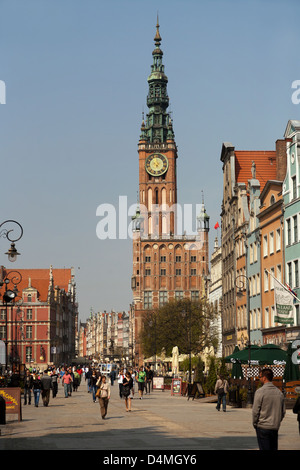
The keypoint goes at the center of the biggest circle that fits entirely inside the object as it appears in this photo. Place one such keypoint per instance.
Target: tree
(182, 323)
(212, 375)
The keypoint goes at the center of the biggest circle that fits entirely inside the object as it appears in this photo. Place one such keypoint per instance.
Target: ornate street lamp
(9, 296)
(6, 233)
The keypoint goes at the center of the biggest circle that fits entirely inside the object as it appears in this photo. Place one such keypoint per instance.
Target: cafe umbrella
(228, 358)
(269, 354)
(242, 356)
(236, 372)
(291, 371)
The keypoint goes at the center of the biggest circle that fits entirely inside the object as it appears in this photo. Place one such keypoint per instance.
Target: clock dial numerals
(156, 164)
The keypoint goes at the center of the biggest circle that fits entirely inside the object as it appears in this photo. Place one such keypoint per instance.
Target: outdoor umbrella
(237, 372)
(291, 371)
(269, 354)
(242, 356)
(228, 358)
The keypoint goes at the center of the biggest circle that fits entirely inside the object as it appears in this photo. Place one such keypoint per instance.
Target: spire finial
(157, 38)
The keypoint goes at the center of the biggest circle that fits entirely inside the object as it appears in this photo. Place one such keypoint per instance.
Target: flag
(283, 304)
(291, 290)
(217, 225)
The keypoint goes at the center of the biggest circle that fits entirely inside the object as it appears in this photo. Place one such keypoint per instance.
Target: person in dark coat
(28, 384)
(46, 381)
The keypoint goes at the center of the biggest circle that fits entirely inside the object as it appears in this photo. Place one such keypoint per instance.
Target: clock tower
(165, 265)
(158, 153)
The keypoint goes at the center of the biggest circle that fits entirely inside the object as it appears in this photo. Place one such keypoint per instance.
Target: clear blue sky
(76, 85)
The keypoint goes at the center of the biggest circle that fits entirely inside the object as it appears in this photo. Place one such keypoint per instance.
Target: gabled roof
(268, 186)
(265, 162)
(39, 279)
(292, 126)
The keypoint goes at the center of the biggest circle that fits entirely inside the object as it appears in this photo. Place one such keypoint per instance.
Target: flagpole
(283, 286)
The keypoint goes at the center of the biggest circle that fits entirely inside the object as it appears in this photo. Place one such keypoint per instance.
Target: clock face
(156, 164)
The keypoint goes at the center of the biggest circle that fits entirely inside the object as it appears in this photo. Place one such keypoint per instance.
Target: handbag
(221, 390)
(98, 393)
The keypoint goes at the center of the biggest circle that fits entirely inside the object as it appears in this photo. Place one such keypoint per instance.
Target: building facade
(39, 325)
(241, 170)
(167, 263)
(291, 198)
(272, 255)
(107, 337)
(215, 291)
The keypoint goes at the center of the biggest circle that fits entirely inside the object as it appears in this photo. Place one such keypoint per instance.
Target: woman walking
(93, 383)
(120, 382)
(37, 387)
(104, 395)
(127, 386)
(221, 389)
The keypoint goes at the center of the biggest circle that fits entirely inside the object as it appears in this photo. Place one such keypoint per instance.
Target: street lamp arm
(5, 233)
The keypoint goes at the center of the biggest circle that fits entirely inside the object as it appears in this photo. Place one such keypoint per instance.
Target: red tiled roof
(40, 279)
(265, 161)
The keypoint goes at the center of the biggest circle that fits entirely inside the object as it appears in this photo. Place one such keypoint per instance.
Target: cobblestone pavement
(157, 422)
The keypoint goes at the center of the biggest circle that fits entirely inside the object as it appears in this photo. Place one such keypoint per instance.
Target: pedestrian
(104, 395)
(93, 384)
(88, 374)
(112, 377)
(72, 381)
(296, 410)
(55, 379)
(267, 412)
(132, 373)
(221, 389)
(37, 387)
(46, 381)
(76, 381)
(66, 382)
(126, 391)
(120, 382)
(149, 378)
(141, 378)
(80, 372)
(28, 385)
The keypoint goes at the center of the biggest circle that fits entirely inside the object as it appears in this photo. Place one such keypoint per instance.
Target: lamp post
(242, 283)
(9, 296)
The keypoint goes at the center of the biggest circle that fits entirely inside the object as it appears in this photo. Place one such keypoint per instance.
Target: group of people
(42, 383)
(268, 408)
(99, 385)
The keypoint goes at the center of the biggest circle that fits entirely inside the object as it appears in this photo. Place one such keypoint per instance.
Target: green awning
(269, 354)
(291, 371)
(242, 356)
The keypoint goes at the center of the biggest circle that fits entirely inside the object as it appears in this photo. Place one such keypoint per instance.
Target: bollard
(2, 411)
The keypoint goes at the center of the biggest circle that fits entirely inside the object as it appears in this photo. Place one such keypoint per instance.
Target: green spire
(158, 125)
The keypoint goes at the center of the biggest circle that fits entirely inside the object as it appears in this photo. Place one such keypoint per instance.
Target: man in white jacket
(267, 412)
